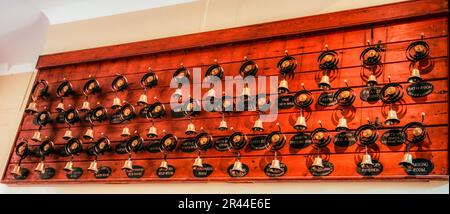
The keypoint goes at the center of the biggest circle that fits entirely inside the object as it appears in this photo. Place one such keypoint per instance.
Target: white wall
(163, 22)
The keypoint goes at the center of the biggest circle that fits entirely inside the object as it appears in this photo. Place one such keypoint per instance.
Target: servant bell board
(357, 102)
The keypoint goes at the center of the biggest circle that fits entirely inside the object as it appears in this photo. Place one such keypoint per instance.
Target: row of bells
(282, 87)
(300, 124)
(88, 135)
(372, 80)
(406, 161)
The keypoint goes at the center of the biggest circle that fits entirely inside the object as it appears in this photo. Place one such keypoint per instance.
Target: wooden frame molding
(394, 27)
(304, 25)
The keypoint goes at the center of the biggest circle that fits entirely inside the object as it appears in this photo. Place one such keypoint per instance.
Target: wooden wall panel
(305, 41)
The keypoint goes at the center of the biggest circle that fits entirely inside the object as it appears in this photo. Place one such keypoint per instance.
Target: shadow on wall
(23, 34)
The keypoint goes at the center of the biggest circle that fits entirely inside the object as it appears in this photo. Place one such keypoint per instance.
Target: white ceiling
(29, 28)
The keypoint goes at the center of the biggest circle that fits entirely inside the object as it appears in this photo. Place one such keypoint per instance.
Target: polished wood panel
(394, 25)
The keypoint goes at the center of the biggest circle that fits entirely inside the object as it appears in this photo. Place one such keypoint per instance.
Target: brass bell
(415, 76)
(16, 170)
(128, 165)
(372, 80)
(198, 163)
(40, 167)
(275, 165)
(32, 108)
(317, 163)
(178, 92)
(283, 86)
(116, 103)
(211, 93)
(86, 106)
(342, 125)
(68, 135)
(407, 161)
(152, 132)
(60, 107)
(125, 132)
(258, 126)
(366, 161)
(324, 82)
(190, 129)
(37, 136)
(164, 165)
(237, 166)
(89, 134)
(143, 100)
(223, 125)
(300, 124)
(392, 118)
(93, 166)
(246, 91)
(69, 166)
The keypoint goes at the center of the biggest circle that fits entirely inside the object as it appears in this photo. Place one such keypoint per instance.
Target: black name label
(421, 167)
(116, 118)
(177, 113)
(326, 170)
(90, 150)
(420, 89)
(188, 146)
(370, 94)
(221, 144)
(344, 139)
(327, 99)
(275, 172)
(393, 137)
(103, 172)
(203, 172)
(153, 146)
(121, 148)
(286, 102)
(374, 170)
(143, 112)
(258, 143)
(165, 173)
(237, 174)
(136, 172)
(60, 118)
(23, 174)
(300, 141)
(61, 151)
(48, 173)
(76, 173)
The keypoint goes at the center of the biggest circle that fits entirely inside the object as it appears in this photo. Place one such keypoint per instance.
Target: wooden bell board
(395, 25)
